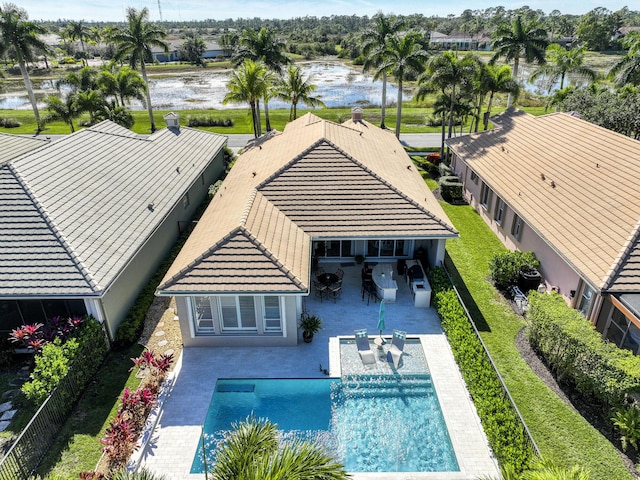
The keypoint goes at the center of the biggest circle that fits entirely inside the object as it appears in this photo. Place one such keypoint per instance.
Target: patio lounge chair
(364, 349)
(397, 347)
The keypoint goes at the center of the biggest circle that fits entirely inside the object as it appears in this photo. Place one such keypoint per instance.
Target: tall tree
(135, 41)
(520, 39)
(498, 80)
(294, 88)
(193, 48)
(122, 84)
(264, 46)
(596, 28)
(627, 70)
(404, 57)
(20, 36)
(76, 30)
(248, 83)
(560, 63)
(252, 452)
(374, 42)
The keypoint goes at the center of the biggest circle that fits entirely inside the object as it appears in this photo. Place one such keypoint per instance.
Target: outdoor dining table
(328, 278)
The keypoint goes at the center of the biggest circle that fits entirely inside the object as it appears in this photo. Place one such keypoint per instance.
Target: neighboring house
(459, 41)
(86, 220)
(212, 50)
(567, 190)
(318, 191)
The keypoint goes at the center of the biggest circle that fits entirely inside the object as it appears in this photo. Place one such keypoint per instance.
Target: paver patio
(175, 439)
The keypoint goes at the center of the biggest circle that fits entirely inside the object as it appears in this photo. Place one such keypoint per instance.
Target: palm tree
(404, 57)
(518, 39)
(79, 31)
(627, 70)
(136, 41)
(498, 80)
(117, 114)
(265, 47)
(249, 83)
(83, 80)
(295, 88)
(21, 36)
(142, 474)
(64, 110)
(374, 46)
(561, 62)
(122, 84)
(252, 452)
(90, 101)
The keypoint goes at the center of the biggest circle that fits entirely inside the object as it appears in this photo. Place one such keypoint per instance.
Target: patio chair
(397, 347)
(322, 290)
(340, 274)
(364, 348)
(369, 289)
(319, 271)
(335, 291)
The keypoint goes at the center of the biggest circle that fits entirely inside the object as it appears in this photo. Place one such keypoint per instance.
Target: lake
(338, 85)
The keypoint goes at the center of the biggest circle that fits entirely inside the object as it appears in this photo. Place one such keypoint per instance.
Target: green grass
(562, 435)
(77, 446)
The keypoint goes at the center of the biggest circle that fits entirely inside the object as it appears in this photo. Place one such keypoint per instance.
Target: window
(474, 177)
(387, 248)
(485, 196)
(238, 313)
(202, 314)
(272, 316)
(333, 248)
(516, 227)
(498, 215)
(185, 200)
(584, 305)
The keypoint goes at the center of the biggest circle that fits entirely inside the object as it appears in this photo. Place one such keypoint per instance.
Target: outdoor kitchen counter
(386, 286)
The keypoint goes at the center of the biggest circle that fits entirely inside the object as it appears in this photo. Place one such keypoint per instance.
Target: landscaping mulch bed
(591, 413)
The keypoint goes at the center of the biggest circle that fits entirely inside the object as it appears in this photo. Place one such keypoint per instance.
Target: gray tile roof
(15, 145)
(90, 193)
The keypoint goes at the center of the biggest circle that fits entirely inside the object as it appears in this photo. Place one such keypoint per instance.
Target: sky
(183, 10)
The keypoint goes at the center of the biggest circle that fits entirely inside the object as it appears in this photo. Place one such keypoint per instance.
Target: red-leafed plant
(120, 440)
(37, 335)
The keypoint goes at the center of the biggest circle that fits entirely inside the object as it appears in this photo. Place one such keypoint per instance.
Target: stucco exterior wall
(122, 293)
(288, 337)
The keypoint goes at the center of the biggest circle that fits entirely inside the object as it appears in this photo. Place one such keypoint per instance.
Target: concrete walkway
(175, 440)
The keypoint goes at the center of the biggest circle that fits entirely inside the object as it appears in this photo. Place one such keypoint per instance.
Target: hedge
(575, 351)
(502, 425)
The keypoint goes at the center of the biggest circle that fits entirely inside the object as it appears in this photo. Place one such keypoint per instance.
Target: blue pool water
(374, 423)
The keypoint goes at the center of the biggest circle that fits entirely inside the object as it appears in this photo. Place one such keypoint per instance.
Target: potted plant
(359, 258)
(310, 325)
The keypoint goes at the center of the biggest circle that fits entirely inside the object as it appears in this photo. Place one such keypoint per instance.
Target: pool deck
(175, 439)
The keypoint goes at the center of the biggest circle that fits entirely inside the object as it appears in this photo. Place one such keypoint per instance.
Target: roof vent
(356, 114)
(173, 120)
(542, 177)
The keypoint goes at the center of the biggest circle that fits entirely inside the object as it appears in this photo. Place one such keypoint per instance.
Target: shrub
(505, 267)
(52, 365)
(209, 121)
(500, 421)
(577, 353)
(450, 188)
(9, 123)
(627, 422)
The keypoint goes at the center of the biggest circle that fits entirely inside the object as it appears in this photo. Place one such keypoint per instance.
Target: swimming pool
(371, 423)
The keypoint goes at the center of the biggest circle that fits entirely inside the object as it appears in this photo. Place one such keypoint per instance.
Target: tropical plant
(627, 422)
(115, 113)
(192, 49)
(404, 56)
(82, 80)
(262, 46)
(497, 80)
(294, 88)
(505, 267)
(76, 30)
(142, 474)
(521, 38)
(374, 43)
(248, 83)
(66, 110)
(20, 36)
(251, 451)
(92, 102)
(122, 84)
(627, 70)
(310, 325)
(562, 62)
(135, 41)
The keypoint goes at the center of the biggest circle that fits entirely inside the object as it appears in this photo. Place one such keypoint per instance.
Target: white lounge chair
(364, 348)
(397, 347)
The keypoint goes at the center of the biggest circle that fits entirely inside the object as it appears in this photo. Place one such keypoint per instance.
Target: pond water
(338, 85)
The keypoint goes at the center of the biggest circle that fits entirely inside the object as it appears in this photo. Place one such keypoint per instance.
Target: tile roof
(90, 194)
(576, 184)
(15, 145)
(317, 179)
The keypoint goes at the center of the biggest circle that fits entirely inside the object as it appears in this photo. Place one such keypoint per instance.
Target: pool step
(382, 386)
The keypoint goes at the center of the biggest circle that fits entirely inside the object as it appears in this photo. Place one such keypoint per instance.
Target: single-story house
(212, 50)
(318, 191)
(86, 220)
(459, 41)
(567, 190)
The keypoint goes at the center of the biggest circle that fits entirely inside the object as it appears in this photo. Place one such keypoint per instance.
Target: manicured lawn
(562, 435)
(77, 447)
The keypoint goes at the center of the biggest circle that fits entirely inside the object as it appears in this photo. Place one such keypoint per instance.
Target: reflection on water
(338, 85)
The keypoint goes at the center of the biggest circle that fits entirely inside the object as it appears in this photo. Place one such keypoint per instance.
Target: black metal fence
(528, 435)
(34, 441)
